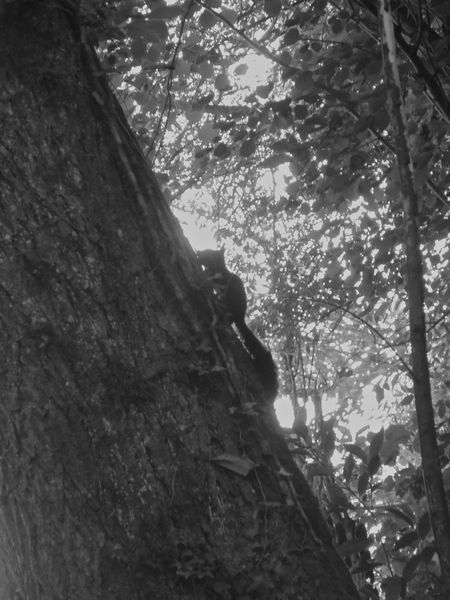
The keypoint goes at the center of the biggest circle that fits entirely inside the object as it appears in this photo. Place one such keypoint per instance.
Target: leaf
(336, 25)
(272, 7)
(292, 36)
(428, 553)
(411, 567)
(248, 147)
(138, 49)
(207, 132)
(207, 19)
(397, 433)
(363, 483)
(374, 465)
(407, 400)
(167, 12)
(272, 162)
(381, 119)
(264, 90)
(304, 82)
(424, 525)
(357, 451)
(320, 470)
(241, 69)
(407, 540)
(206, 69)
(241, 466)
(401, 514)
(379, 392)
(222, 82)
(229, 14)
(353, 547)
(157, 30)
(392, 587)
(337, 496)
(339, 183)
(349, 465)
(221, 150)
(376, 443)
(300, 111)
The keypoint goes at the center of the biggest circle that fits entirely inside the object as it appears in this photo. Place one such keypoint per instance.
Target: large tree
(139, 455)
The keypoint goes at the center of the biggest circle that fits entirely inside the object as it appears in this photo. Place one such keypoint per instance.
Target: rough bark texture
(116, 391)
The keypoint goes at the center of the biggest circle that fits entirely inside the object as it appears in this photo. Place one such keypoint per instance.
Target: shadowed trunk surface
(117, 393)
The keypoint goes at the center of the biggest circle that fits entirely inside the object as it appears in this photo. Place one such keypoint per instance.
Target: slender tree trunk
(138, 458)
(434, 486)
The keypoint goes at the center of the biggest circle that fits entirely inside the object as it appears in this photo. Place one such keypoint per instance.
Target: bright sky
(201, 238)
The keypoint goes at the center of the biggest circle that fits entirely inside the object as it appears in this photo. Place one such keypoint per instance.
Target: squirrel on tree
(232, 292)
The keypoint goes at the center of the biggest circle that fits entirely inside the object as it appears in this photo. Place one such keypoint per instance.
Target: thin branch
(369, 326)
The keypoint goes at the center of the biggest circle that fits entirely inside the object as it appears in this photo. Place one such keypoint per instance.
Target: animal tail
(262, 359)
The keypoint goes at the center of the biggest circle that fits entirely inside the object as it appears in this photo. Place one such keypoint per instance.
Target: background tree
(139, 458)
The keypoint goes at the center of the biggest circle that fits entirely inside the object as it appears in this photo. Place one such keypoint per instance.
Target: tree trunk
(415, 287)
(138, 458)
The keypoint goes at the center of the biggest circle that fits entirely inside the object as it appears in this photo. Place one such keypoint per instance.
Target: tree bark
(138, 457)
